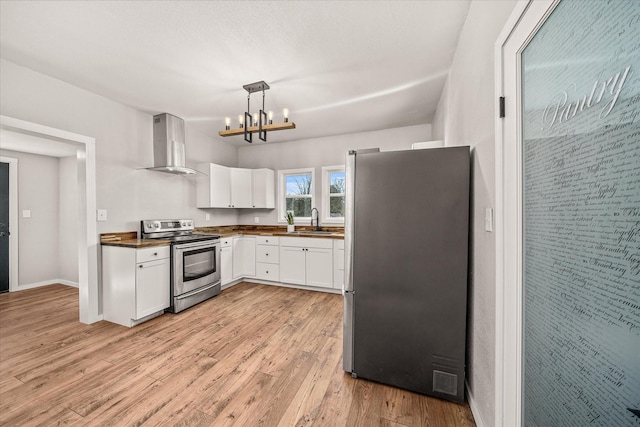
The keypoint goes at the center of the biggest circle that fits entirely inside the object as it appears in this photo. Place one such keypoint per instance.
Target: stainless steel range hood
(169, 153)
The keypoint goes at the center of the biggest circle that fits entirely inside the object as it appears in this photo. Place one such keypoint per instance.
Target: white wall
(318, 152)
(123, 145)
(38, 191)
(68, 220)
(466, 116)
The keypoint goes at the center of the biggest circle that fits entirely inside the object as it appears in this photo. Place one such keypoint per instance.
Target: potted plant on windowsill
(289, 217)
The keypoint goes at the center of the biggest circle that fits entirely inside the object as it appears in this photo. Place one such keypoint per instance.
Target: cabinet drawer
(151, 254)
(226, 242)
(268, 254)
(307, 242)
(268, 240)
(268, 271)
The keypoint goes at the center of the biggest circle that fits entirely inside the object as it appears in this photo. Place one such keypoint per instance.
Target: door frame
(524, 22)
(13, 221)
(88, 234)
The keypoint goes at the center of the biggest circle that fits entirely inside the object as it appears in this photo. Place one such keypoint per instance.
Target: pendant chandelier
(258, 121)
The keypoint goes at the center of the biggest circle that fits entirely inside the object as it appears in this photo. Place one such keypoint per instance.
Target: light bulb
(255, 119)
(227, 122)
(285, 114)
(270, 117)
(241, 120)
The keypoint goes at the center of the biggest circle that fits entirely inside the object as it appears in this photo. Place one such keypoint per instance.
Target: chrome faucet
(317, 219)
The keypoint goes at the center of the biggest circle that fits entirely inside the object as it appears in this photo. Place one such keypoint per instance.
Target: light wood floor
(255, 355)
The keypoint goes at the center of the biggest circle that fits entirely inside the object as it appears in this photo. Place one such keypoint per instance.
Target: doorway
(4, 227)
(87, 235)
(9, 238)
(568, 174)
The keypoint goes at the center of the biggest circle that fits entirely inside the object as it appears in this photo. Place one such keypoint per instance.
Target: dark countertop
(137, 243)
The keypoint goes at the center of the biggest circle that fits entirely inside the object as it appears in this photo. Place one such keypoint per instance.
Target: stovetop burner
(173, 230)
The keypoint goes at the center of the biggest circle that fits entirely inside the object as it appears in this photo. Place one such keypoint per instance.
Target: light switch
(102, 215)
(488, 219)
(26, 213)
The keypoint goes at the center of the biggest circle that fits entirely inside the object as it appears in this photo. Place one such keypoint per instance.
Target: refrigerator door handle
(349, 213)
(350, 166)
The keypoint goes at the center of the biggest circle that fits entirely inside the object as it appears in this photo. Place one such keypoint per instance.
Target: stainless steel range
(195, 261)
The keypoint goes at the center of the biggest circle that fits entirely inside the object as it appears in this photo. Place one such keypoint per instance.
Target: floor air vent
(444, 382)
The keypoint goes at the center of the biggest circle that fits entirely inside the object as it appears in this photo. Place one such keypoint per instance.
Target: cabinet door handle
(155, 254)
(141, 266)
(267, 254)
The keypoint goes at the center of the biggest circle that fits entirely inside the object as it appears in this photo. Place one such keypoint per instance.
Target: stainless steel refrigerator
(406, 249)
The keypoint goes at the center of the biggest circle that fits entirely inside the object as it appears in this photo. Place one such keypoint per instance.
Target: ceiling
(339, 67)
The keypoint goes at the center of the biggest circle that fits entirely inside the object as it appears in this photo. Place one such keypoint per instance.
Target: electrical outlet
(207, 217)
(26, 213)
(101, 215)
(256, 220)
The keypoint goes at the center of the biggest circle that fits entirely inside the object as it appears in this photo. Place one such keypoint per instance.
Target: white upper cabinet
(240, 188)
(226, 187)
(214, 190)
(263, 188)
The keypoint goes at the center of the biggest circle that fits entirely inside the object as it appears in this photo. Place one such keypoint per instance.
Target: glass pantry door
(580, 85)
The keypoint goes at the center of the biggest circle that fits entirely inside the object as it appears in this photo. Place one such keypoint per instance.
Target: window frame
(326, 194)
(282, 194)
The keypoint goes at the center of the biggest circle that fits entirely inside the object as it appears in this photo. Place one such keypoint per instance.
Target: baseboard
(230, 284)
(46, 283)
(68, 283)
(287, 285)
(474, 406)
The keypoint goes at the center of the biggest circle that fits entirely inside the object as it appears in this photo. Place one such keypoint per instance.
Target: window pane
(298, 184)
(336, 182)
(301, 207)
(336, 206)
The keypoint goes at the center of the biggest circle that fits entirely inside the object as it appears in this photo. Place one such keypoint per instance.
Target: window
(295, 188)
(334, 186)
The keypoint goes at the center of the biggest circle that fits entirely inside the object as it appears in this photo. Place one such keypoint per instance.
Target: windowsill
(333, 221)
(297, 221)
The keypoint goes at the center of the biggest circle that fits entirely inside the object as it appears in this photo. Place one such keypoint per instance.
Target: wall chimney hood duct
(169, 153)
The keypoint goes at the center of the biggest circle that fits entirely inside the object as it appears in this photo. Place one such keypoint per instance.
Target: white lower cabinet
(226, 260)
(306, 261)
(244, 256)
(267, 258)
(135, 283)
(338, 264)
(293, 265)
(320, 267)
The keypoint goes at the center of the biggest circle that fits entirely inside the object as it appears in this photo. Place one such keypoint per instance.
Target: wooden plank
(254, 129)
(254, 355)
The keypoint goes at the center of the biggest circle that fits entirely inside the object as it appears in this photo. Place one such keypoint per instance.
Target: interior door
(4, 227)
(579, 204)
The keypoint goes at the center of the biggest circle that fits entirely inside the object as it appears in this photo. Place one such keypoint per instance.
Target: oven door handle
(196, 245)
(197, 291)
